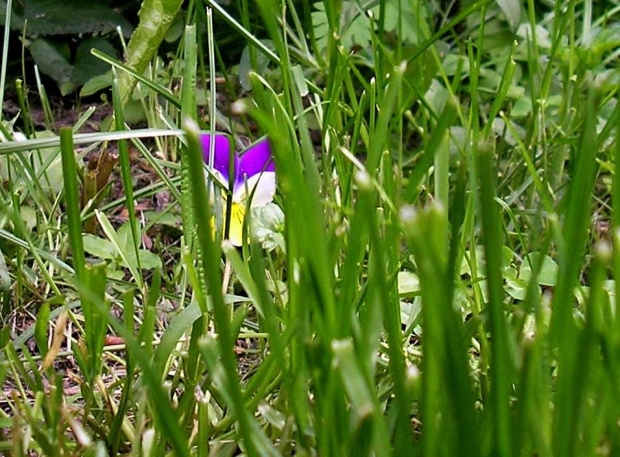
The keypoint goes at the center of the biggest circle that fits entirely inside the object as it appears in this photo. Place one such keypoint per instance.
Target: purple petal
(255, 160)
(221, 159)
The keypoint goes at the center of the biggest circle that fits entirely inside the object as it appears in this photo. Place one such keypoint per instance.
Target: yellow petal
(237, 215)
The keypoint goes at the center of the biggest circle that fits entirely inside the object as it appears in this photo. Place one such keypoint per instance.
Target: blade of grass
(563, 329)
(501, 358)
(121, 248)
(123, 158)
(5, 49)
(72, 200)
(163, 91)
(84, 138)
(447, 401)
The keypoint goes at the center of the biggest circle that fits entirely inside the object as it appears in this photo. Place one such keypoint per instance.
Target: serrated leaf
(72, 17)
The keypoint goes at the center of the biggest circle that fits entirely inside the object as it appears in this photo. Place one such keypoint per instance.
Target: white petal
(261, 188)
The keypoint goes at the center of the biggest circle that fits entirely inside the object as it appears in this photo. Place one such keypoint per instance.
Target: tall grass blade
(123, 158)
(72, 200)
(501, 369)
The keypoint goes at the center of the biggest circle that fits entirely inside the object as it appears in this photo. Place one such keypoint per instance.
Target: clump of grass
(441, 288)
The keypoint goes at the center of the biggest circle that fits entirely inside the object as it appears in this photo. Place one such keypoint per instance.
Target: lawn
(340, 228)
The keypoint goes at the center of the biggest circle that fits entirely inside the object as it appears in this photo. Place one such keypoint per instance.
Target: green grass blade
(163, 91)
(94, 331)
(563, 331)
(85, 138)
(501, 358)
(123, 158)
(72, 200)
(5, 48)
(447, 390)
(121, 248)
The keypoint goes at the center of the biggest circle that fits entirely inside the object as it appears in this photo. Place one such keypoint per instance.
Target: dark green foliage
(60, 34)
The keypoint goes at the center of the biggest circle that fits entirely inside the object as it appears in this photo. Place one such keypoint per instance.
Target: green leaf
(405, 13)
(96, 84)
(148, 259)
(17, 15)
(548, 274)
(408, 283)
(245, 65)
(120, 247)
(179, 325)
(40, 328)
(155, 19)
(410, 312)
(52, 58)
(72, 17)
(99, 247)
(176, 29)
(515, 287)
(512, 11)
(86, 65)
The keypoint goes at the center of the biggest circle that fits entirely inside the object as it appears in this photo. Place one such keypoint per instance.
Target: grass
(438, 275)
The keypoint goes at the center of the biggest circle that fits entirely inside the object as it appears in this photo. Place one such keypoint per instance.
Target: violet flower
(253, 177)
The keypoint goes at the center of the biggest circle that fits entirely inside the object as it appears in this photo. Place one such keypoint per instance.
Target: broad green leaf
(548, 274)
(148, 259)
(52, 58)
(86, 65)
(99, 247)
(72, 17)
(408, 283)
(94, 85)
(512, 11)
(245, 64)
(516, 288)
